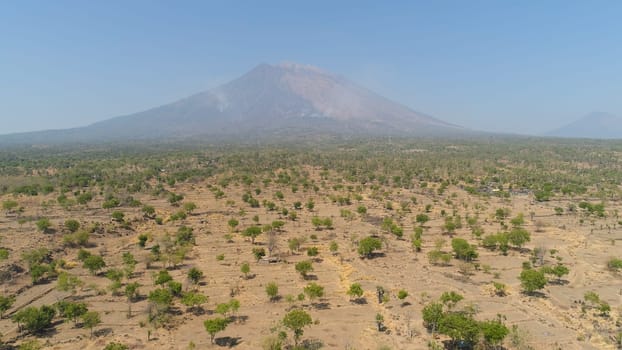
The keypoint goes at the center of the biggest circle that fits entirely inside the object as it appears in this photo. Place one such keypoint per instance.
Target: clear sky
(512, 66)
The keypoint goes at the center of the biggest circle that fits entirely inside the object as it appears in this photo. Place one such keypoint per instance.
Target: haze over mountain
(597, 125)
(284, 99)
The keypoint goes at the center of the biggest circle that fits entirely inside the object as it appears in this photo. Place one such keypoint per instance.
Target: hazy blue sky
(514, 66)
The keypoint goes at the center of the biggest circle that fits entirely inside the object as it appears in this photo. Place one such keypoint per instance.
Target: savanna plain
(357, 244)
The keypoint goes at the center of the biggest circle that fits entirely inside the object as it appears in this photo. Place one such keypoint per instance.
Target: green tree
(463, 250)
(518, 220)
(131, 293)
(94, 263)
(84, 198)
(72, 225)
(234, 306)
(368, 245)
(361, 209)
(148, 211)
(223, 309)
(304, 267)
(214, 326)
(38, 272)
(116, 346)
(115, 275)
(4, 254)
(67, 282)
(162, 277)
(43, 224)
(129, 264)
(502, 213)
(142, 240)
(422, 219)
(189, 207)
(518, 237)
(175, 288)
(90, 320)
(314, 291)
(34, 319)
(233, 223)
(532, 280)
(294, 244)
(33, 344)
(259, 253)
(77, 239)
(71, 310)
(185, 236)
(450, 299)
(161, 299)
(252, 232)
(494, 331)
(560, 271)
(245, 269)
(272, 289)
(118, 216)
(5, 304)
(296, 320)
(379, 321)
(194, 300)
(277, 225)
(614, 264)
(195, 275)
(459, 326)
(432, 315)
(312, 251)
(9, 205)
(355, 290)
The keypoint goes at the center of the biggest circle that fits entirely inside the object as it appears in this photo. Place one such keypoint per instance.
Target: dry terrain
(556, 317)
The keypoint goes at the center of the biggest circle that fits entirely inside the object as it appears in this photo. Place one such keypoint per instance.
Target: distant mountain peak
(293, 66)
(286, 98)
(597, 125)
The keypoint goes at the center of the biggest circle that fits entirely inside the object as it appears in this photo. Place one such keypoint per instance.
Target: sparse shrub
(614, 264)
(304, 267)
(272, 290)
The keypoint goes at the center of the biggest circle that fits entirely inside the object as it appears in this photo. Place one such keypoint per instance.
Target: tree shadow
(522, 250)
(375, 255)
(175, 311)
(312, 344)
(196, 310)
(535, 294)
(459, 345)
(359, 301)
(559, 282)
(239, 319)
(102, 332)
(229, 342)
(310, 278)
(321, 305)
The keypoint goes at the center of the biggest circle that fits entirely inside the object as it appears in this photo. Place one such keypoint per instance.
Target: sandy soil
(553, 320)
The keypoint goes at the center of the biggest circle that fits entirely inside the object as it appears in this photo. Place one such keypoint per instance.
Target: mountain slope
(597, 125)
(280, 99)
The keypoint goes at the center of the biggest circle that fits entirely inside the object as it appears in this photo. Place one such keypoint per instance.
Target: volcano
(284, 99)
